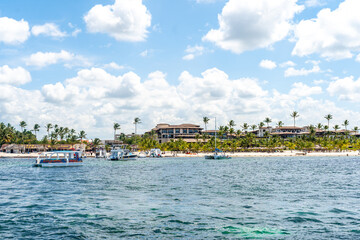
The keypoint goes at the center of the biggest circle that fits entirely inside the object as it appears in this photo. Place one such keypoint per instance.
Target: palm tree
(336, 127)
(328, 118)
(267, 121)
(356, 129)
(96, 143)
(319, 126)
(253, 127)
(48, 126)
(345, 124)
(294, 115)
(36, 129)
(136, 122)
(82, 135)
(280, 124)
(116, 127)
(245, 127)
(231, 124)
(22, 125)
(206, 121)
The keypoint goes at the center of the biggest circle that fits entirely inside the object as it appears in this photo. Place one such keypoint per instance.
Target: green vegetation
(249, 142)
(59, 135)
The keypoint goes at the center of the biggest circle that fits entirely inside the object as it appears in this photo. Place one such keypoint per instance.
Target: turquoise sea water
(189, 198)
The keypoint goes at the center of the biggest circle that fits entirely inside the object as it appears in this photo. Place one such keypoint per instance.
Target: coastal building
(165, 132)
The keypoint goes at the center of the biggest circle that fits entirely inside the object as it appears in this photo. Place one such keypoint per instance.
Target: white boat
(100, 153)
(155, 153)
(59, 159)
(218, 154)
(121, 154)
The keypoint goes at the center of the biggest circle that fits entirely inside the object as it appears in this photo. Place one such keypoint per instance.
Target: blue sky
(88, 64)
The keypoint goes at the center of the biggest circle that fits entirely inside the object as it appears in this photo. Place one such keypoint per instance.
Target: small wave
(181, 222)
(302, 219)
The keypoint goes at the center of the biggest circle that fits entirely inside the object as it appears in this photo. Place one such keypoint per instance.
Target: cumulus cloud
(302, 90)
(13, 31)
(332, 34)
(113, 65)
(48, 29)
(293, 72)
(268, 64)
(193, 52)
(125, 20)
(43, 59)
(96, 99)
(288, 64)
(14, 76)
(345, 89)
(314, 3)
(248, 25)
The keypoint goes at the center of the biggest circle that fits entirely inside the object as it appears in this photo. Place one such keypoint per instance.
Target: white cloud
(268, 64)
(302, 90)
(319, 82)
(333, 34)
(126, 20)
(193, 52)
(144, 53)
(42, 59)
(76, 32)
(48, 29)
(248, 25)
(12, 31)
(314, 3)
(292, 72)
(113, 65)
(288, 64)
(345, 89)
(98, 99)
(14, 76)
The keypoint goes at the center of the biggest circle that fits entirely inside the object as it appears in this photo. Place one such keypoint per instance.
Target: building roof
(167, 126)
(288, 128)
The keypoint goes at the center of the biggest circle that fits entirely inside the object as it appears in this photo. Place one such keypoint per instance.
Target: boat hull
(125, 158)
(49, 165)
(216, 157)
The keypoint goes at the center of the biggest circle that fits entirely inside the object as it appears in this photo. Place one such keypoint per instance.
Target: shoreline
(237, 154)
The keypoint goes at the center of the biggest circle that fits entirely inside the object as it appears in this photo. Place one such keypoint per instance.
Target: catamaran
(59, 159)
(218, 154)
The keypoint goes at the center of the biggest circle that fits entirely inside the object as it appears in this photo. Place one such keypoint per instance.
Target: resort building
(165, 132)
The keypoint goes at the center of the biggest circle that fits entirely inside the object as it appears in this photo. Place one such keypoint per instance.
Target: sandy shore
(241, 154)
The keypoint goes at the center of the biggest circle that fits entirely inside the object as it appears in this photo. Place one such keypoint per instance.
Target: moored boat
(59, 159)
(218, 154)
(121, 155)
(155, 153)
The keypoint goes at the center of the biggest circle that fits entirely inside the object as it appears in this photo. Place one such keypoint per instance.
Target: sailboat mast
(215, 134)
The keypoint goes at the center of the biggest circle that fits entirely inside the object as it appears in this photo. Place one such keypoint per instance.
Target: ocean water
(182, 198)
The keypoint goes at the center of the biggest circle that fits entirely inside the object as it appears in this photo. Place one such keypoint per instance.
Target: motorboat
(121, 154)
(155, 153)
(100, 153)
(59, 159)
